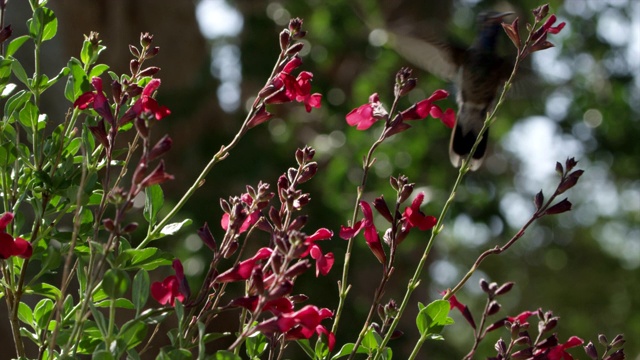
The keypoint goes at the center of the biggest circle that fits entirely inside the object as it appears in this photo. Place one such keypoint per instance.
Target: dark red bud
(145, 39)
(505, 288)
(570, 181)
(231, 249)
(294, 49)
(108, 224)
(285, 38)
(129, 228)
(274, 215)
(161, 147)
(298, 223)
(538, 200)
(207, 237)
(134, 51)
(134, 66)
(308, 172)
(559, 208)
(493, 308)
(150, 71)
(5, 33)
(382, 208)
(298, 268)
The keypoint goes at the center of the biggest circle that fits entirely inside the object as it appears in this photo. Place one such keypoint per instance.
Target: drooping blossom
(242, 271)
(172, 287)
(98, 99)
(301, 324)
(370, 232)
(464, 309)
(366, 115)
(10, 246)
(320, 234)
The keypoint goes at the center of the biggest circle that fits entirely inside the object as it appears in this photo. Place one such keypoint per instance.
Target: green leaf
(43, 26)
(19, 72)
(47, 84)
(133, 333)
(102, 355)
(44, 289)
(257, 343)
(42, 313)
(122, 303)
(15, 44)
(226, 355)
(25, 314)
(115, 283)
(371, 339)
(173, 228)
(148, 258)
(29, 115)
(15, 103)
(347, 349)
(98, 70)
(154, 198)
(433, 318)
(101, 322)
(78, 82)
(5, 70)
(304, 344)
(140, 290)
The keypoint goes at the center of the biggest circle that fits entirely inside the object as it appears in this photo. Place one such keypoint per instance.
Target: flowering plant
(69, 188)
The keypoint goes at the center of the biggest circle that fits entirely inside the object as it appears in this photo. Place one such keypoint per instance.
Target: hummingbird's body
(478, 73)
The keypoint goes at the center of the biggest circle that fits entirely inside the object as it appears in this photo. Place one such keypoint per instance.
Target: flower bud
(285, 38)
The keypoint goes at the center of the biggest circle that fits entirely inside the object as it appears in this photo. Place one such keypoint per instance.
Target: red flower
(172, 287)
(320, 234)
(146, 104)
(426, 107)
(464, 309)
(243, 270)
(248, 221)
(323, 262)
(413, 217)
(559, 352)
(285, 88)
(10, 246)
(365, 115)
(98, 99)
(370, 232)
(521, 318)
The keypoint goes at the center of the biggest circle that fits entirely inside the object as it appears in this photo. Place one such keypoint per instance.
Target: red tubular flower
(320, 234)
(559, 352)
(413, 217)
(172, 287)
(10, 246)
(98, 99)
(285, 88)
(323, 262)
(521, 318)
(242, 270)
(426, 107)
(370, 232)
(365, 115)
(464, 310)
(146, 105)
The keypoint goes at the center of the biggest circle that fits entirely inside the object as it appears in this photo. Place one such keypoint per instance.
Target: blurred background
(584, 103)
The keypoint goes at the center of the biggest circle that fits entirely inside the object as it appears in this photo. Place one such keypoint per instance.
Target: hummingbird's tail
(468, 125)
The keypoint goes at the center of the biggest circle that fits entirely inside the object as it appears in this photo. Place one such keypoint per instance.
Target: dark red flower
(320, 234)
(248, 221)
(365, 115)
(370, 232)
(521, 318)
(172, 287)
(242, 270)
(559, 352)
(5, 219)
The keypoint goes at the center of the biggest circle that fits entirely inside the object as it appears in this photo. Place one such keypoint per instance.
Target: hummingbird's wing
(433, 55)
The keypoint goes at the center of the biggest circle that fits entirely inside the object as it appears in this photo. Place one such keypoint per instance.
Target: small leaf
(226, 355)
(15, 44)
(44, 289)
(140, 290)
(174, 227)
(42, 313)
(133, 333)
(19, 72)
(102, 355)
(154, 198)
(25, 314)
(115, 283)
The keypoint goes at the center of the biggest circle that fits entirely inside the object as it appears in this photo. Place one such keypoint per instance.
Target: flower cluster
(10, 246)
(364, 116)
(283, 86)
(538, 39)
(410, 218)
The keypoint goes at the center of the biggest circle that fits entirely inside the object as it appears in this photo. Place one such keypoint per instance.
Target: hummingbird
(478, 73)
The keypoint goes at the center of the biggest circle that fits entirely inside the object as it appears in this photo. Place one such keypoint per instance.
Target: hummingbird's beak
(499, 16)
